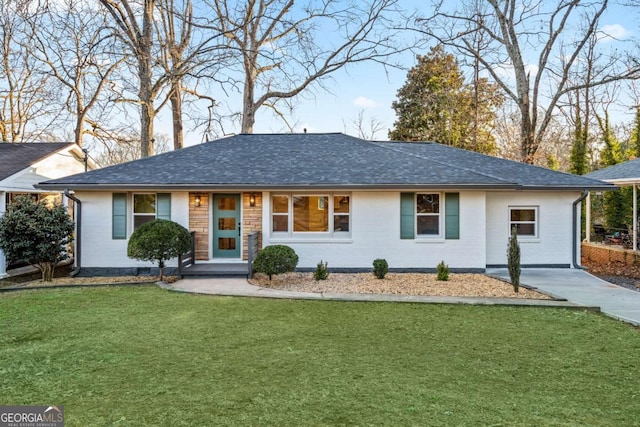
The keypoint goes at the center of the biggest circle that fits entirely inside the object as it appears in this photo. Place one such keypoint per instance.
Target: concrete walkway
(582, 288)
(240, 287)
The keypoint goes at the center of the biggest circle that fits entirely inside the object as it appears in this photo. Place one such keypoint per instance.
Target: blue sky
(370, 88)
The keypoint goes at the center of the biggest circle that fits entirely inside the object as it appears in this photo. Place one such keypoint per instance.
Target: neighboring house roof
(16, 157)
(622, 173)
(280, 161)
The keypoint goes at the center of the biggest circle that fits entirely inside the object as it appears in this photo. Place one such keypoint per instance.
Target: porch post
(588, 218)
(634, 228)
(3, 261)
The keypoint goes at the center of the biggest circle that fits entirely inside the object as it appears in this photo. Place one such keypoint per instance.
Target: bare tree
(72, 42)
(26, 110)
(511, 27)
(134, 27)
(281, 48)
(365, 127)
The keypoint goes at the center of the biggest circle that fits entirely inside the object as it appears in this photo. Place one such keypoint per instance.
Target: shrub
(321, 272)
(513, 260)
(443, 271)
(159, 241)
(35, 233)
(380, 268)
(275, 259)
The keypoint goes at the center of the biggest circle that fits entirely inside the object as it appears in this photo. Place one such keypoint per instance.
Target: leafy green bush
(321, 273)
(35, 233)
(159, 241)
(380, 268)
(513, 260)
(275, 259)
(443, 271)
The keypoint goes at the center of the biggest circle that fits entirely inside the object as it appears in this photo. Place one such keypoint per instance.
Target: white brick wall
(98, 248)
(553, 245)
(375, 234)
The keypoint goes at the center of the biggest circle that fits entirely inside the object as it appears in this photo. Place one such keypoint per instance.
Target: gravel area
(471, 285)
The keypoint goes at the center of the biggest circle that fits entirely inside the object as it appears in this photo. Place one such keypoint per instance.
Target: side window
(144, 209)
(280, 214)
(341, 213)
(428, 214)
(524, 219)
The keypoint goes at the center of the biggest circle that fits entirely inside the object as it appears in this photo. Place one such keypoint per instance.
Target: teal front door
(226, 226)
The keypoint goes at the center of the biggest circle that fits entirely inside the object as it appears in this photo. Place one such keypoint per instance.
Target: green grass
(144, 356)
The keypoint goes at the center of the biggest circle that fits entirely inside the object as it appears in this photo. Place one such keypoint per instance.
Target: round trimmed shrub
(275, 259)
(380, 268)
(159, 241)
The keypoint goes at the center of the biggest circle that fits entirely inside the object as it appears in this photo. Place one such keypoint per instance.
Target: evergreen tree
(33, 232)
(436, 105)
(579, 149)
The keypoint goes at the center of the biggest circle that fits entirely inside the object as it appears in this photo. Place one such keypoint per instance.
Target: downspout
(77, 253)
(576, 230)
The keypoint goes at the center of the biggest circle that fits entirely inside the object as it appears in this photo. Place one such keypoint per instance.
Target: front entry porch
(215, 269)
(188, 267)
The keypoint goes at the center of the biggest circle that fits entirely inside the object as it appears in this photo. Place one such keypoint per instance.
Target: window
(305, 213)
(144, 209)
(525, 220)
(422, 216)
(428, 214)
(280, 213)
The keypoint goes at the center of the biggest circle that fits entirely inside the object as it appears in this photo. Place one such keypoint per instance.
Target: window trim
(441, 215)
(536, 222)
(329, 207)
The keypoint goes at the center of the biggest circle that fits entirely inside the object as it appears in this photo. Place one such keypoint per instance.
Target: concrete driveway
(580, 287)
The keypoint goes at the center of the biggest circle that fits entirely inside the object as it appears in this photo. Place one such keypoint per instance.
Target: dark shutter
(407, 215)
(164, 206)
(452, 215)
(119, 216)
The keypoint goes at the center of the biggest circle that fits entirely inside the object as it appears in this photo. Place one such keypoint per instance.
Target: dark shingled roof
(16, 157)
(272, 161)
(627, 171)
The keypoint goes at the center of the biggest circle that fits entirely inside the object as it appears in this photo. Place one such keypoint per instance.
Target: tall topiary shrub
(32, 232)
(275, 259)
(513, 259)
(159, 241)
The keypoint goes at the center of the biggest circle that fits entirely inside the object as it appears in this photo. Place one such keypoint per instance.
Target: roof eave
(271, 187)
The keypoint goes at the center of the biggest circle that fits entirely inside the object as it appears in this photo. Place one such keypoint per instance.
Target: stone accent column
(251, 220)
(199, 222)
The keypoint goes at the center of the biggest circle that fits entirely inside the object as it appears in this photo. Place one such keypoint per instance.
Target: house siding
(553, 245)
(99, 249)
(199, 223)
(251, 221)
(54, 166)
(375, 233)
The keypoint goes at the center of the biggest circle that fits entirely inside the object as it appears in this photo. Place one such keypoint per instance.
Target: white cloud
(364, 102)
(613, 32)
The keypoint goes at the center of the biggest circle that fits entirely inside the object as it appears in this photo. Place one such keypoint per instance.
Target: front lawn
(145, 356)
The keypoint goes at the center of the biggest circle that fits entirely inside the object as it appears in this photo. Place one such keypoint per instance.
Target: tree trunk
(147, 111)
(176, 111)
(47, 270)
(248, 106)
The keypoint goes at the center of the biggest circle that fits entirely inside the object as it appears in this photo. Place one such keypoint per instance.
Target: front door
(226, 226)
